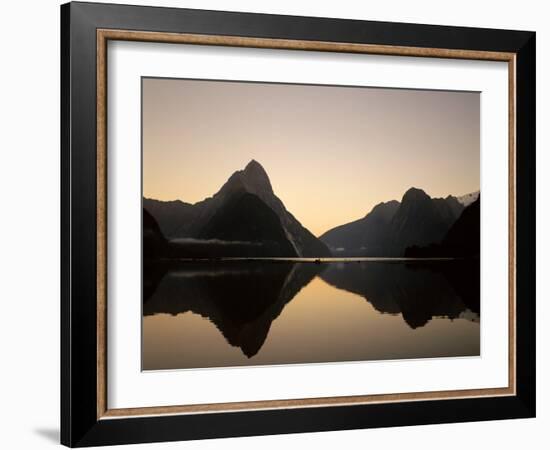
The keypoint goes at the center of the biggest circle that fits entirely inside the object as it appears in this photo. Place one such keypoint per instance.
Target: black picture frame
(80, 425)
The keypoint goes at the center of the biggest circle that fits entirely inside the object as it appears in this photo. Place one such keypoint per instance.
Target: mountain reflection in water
(233, 313)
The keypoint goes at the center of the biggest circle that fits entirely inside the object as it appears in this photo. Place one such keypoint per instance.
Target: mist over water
(235, 313)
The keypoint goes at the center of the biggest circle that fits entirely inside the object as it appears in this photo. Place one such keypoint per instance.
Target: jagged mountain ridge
(421, 220)
(468, 199)
(182, 220)
(393, 226)
(462, 239)
(364, 236)
(246, 209)
(171, 215)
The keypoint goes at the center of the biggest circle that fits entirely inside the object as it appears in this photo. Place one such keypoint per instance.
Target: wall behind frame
(29, 229)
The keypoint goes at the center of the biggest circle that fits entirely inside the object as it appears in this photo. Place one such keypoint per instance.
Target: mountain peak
(415, 194)
(254, 165)
(226, 212)
(255, 177)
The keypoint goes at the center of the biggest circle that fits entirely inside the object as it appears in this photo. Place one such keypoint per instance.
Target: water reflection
(418, 291)
(294, 312)
(241, 298)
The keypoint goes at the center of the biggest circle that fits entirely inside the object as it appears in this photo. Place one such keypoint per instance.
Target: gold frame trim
(104, 35)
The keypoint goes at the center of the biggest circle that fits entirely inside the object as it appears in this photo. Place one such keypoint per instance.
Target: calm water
(233, 313)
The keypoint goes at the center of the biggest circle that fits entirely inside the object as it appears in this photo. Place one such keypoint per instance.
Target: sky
(331, 152)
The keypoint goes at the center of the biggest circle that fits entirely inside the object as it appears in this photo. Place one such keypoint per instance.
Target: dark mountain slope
(244, 217)
(462, 239)
(154, 243)
(393, 226)
(190, 221)
(368, 236)
(421, 220)
(172, 216)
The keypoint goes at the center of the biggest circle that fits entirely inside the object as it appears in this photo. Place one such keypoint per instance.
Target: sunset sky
(331, 153)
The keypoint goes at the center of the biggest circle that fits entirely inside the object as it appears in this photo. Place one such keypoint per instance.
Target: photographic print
(294, 224)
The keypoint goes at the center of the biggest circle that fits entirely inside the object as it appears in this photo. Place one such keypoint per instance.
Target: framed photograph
(277, 224)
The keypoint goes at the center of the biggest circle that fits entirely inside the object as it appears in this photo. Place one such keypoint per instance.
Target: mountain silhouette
(462, 239)
(154, 243)
(393, 226)
(468, 199)
(241, 299)
(421, 220)
(368, 236)
(261, 224)
(204, 219)
(171, 215)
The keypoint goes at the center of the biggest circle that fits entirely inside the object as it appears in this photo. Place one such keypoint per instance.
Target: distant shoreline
(310, 260)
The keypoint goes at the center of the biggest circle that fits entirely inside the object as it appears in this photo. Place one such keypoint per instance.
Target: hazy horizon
(331, 152)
